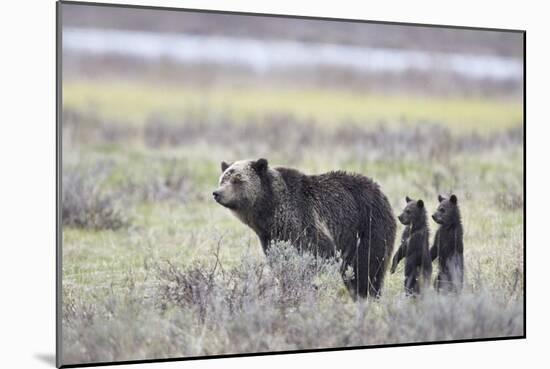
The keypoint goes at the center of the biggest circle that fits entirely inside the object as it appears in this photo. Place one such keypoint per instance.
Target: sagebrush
(287, 301)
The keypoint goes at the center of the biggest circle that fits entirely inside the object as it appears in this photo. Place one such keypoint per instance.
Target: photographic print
(240, 184)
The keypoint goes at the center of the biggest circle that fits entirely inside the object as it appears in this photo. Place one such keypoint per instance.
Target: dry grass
(286, 302)
(85, 204)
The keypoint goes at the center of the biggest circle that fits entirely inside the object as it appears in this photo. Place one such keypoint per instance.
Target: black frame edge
(290, 352)
(280, 15)
(525, 184)
(58, 234)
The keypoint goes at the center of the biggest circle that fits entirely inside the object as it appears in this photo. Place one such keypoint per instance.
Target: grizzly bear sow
(415, 247)
(448, 246)
(323, 214)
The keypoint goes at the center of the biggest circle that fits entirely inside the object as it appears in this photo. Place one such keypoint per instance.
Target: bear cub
(414, 247)
(448, 246)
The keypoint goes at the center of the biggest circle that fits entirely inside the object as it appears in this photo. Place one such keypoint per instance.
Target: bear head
(240, 184)
(413, 213)
(447, 212)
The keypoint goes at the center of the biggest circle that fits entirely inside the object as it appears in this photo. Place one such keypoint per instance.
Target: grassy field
(153, 267)
(133, 102)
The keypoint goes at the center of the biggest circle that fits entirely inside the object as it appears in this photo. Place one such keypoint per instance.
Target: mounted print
(239, 184)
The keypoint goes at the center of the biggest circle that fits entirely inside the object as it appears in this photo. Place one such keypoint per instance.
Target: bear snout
(216, 195)
(402, 219)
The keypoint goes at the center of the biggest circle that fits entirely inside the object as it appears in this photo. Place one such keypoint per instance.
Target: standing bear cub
(415, 248)
(448, 246)
(323, 214)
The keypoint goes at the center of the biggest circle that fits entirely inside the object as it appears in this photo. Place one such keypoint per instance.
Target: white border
(27, 160)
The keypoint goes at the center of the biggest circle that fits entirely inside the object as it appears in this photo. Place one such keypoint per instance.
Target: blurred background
(227, 49)
(154, 100)
(267, 85)
(191, 89)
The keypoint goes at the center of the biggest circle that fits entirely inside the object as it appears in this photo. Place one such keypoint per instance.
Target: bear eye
(407, 211)
(442, 210)
(236, 179)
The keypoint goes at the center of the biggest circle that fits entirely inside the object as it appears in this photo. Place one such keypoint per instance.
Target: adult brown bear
(326, 213)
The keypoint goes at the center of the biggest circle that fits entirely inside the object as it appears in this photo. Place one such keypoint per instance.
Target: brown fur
(324, 214)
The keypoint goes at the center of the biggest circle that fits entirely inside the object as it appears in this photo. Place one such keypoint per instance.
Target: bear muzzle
(221, 199)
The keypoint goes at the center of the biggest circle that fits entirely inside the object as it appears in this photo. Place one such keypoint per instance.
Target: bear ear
(260, 165)
(420, 203)
(225, 166)
(407, 199)
(440, 198)
(454, 200)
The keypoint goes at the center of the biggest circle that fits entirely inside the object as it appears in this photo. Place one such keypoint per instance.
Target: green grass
(188, 231)
(134, 102)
